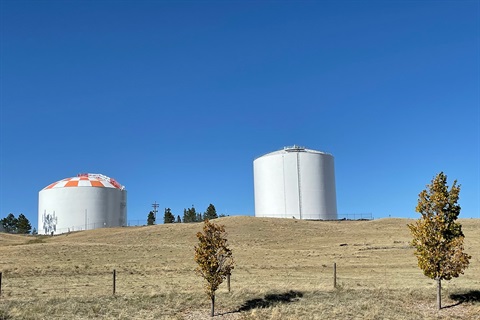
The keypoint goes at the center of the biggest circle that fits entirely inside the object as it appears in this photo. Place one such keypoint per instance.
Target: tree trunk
(213, 306)
(228, 282)
(439, 293)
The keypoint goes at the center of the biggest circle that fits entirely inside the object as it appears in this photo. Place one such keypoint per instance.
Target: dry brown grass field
(284, 270)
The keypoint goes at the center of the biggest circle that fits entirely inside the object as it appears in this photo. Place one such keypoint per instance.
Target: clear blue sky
(175, 99)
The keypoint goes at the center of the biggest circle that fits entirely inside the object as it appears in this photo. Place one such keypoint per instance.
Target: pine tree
(179, 220)
(437, 237)
(211, 212)
(9, 223)
(168, 216)
(214, 258)
(151, 218)
(23, 225)
(189, 215)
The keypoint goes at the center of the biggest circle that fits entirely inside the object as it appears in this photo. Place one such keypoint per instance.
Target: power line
(155, 206)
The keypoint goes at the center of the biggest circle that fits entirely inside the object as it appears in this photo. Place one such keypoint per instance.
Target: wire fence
(83, 284)
(88, 226)
(91, 226)
(126, 281)
(355, 216)
(135, 223)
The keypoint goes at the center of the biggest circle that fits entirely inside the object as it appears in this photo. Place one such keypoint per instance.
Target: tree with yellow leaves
(437, 236)
(214, 258)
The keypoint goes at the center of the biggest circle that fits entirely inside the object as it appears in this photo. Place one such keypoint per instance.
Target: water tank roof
(86, 180)
(293, 148)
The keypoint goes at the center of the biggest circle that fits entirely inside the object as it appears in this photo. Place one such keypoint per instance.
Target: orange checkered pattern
(82, 181)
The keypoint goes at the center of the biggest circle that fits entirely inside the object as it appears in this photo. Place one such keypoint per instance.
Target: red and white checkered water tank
(295, 183)
(87, 201)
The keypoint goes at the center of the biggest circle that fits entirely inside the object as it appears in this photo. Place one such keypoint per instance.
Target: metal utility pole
(155, 206)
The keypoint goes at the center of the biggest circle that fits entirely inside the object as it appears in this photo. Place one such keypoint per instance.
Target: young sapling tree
(214, 258)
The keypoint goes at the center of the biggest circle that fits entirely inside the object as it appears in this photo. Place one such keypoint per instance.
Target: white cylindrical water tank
(295, 183)
(85, 202)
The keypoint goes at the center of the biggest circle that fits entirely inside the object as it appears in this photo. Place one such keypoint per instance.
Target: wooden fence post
(114, 280)
(334, 274)
(228, 282)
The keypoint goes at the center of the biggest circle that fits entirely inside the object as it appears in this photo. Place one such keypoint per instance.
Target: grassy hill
(284, 271)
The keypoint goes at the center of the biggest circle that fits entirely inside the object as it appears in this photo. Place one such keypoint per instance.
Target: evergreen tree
(151, 218)
(437, 237)
(23, 225)
(9, 223)
(168, 217)
(211, 212)
(189, 215)
(179, 220)
(34, 231)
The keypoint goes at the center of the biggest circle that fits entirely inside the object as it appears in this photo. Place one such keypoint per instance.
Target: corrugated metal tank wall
(295, 183)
